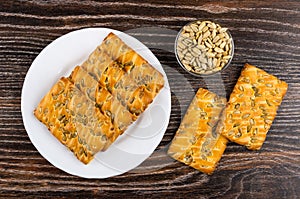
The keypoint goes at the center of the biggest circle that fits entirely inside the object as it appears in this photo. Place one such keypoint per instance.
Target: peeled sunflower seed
(204, 38)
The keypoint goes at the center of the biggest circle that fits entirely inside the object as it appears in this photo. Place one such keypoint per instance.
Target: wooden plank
(266, 34)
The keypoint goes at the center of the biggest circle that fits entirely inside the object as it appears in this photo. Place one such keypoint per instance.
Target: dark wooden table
(266, 34)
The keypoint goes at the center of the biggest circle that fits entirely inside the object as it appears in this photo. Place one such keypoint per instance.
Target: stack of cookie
(99, 100)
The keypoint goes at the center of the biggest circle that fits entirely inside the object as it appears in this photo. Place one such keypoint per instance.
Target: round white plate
(130, 149)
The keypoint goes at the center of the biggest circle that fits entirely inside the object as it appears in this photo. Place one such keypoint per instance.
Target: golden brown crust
(114, 47)
(149, 82)
(113, 109)
(125, 74)
(88, 86)
(129, 60)
(136, 82)
(54, 119)
(252, 107)
(69, 116)
(205, 154)
(96, 63)
(103, 69)
(116, 116)
(196, 143)
(136, 98)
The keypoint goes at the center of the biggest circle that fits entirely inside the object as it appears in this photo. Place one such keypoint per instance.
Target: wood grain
(266, 34)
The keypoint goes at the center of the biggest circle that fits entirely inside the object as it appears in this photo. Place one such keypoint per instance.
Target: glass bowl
(200, 52)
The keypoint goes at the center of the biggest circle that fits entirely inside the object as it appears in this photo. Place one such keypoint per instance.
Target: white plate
(132, 148)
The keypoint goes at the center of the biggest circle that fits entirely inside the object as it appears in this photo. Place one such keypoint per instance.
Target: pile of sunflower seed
(204, 47)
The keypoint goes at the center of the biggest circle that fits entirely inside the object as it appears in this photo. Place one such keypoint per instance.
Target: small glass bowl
(210, 69)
